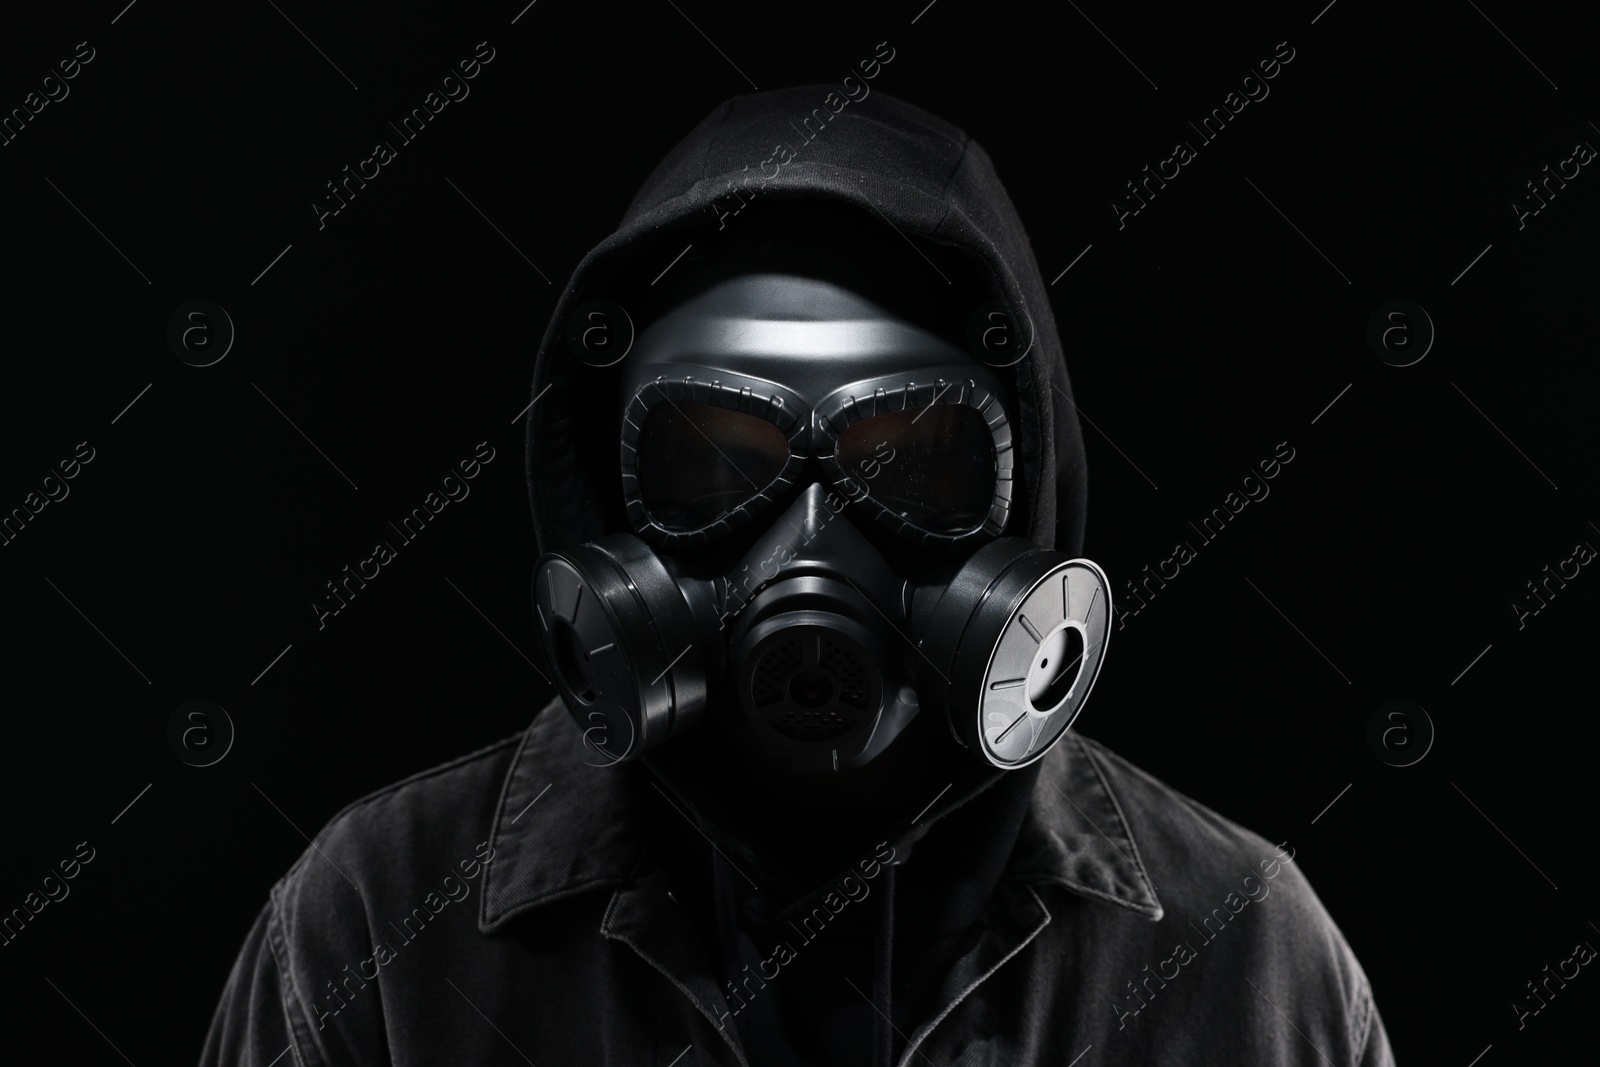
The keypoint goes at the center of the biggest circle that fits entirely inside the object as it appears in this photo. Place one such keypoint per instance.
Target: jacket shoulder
(404, 852)
(1193, 853)
(404, 830)
(1241, 905)
(410, 824)
(1173, 824)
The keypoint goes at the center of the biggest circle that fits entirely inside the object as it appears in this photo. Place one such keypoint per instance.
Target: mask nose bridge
(812, 473)
(812, 538)
(812, 445)
(815, 445)
(814, 442)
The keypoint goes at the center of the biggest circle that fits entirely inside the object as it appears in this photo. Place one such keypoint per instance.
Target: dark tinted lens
(934, 467)
(698, 462)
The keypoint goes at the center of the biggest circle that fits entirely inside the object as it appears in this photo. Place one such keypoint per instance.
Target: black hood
(924, 177)
(880, 158)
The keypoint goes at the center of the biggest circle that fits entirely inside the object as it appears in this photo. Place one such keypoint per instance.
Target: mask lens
(698, 462)
(934, 467)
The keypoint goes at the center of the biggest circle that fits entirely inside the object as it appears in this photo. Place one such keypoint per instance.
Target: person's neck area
(803, 829)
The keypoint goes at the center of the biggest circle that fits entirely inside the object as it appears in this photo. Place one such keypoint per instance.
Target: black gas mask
(818, 491)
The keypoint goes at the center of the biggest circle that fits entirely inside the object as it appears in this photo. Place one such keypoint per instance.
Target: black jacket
(519, 905)
(514, 907)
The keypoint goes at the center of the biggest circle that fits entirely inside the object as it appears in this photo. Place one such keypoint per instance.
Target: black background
(401, 335)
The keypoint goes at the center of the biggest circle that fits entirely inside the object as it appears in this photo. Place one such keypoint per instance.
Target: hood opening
(881, 157)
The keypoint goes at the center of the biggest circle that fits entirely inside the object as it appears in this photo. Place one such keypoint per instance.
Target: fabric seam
(291, 1002)
(1368, 1006)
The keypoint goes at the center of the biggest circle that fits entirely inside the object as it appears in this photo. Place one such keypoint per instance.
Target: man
(819, 631)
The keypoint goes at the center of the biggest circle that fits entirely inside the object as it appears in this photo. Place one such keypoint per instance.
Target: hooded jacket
(521, 905)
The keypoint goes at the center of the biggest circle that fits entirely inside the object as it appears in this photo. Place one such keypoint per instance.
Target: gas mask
(818, 492)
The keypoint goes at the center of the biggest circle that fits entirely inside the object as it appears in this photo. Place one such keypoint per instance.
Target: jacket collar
(1077, 837)
(565, 827)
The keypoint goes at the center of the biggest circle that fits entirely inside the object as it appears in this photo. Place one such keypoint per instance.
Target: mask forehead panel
(811, 335)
